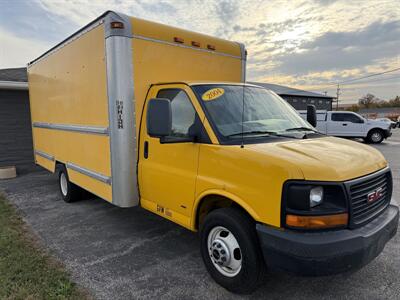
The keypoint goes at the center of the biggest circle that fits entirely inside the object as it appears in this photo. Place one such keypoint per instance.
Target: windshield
(263, 110)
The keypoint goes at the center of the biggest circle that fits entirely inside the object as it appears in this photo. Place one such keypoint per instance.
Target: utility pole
(337, 97)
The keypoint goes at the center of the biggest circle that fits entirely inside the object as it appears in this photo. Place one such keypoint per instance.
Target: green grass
(26, 272)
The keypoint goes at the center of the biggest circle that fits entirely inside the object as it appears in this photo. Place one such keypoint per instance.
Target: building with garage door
(15, 121)
(299, 99)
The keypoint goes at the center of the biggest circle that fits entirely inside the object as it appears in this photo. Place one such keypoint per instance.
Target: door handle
(344, 124)
(146, 149)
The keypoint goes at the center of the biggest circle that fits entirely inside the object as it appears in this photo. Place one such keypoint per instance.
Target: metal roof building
(15, 120)
(15, 78)
(299, 99)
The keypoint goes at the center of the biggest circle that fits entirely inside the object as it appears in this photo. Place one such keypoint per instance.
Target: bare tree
(368, 101)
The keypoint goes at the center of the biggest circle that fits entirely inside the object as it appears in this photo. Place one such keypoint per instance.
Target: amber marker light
(317, 222)
(117, 25)
(178, 40)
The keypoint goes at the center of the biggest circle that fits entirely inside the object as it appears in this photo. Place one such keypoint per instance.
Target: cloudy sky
(309, 44)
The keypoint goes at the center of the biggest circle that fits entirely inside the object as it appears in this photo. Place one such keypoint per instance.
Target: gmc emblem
(375, 195)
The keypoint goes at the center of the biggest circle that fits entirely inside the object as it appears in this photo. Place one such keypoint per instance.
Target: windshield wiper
(301, 129)
(252, 132)
(261, 132)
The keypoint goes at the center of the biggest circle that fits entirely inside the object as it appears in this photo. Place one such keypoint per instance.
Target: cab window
(341, 117)
(183, 112)
(355, 119)
(338, 117)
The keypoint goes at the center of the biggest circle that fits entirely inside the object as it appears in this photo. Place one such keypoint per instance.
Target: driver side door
(345, 124)
(168, 167)
(356, 125)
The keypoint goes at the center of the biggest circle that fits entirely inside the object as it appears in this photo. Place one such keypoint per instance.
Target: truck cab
(217, 157)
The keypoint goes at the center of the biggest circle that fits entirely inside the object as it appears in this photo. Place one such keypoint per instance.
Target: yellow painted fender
(223, 193)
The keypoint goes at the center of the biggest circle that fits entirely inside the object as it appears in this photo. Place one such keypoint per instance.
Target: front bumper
(328, 252)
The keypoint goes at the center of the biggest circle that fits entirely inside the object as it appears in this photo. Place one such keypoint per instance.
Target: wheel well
(58, 166)
(212, 202)
(375, 128)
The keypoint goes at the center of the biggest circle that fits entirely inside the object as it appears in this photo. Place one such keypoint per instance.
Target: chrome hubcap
(224, 251)
(376, 137)
(63, 184)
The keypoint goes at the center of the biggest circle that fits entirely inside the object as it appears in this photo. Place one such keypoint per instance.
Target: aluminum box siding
(155, 62)
(68, 86)
(79, 83)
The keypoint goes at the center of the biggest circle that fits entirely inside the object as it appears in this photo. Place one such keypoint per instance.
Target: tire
(216, 236)
(69, 192)
(375, 136)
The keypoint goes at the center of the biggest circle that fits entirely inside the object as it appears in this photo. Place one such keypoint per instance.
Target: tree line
(371, 101)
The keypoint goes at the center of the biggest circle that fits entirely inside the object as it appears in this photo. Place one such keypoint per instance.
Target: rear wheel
(70, 192)
(375, 136)
(230, 250)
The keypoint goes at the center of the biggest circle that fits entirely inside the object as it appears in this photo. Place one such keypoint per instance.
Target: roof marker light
(117, 25)
(210, 47)
(178, 40)
(195, 44)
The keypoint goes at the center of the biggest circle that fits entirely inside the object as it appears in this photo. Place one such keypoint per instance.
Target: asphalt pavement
(131, 253)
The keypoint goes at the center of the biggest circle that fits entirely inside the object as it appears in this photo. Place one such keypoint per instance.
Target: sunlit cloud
(304, 44)
(19, 50)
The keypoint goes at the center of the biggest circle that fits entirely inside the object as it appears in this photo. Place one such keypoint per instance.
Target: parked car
(351, 125)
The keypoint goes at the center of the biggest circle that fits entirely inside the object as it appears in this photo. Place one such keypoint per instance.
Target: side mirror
(159, 117)
(312, 115)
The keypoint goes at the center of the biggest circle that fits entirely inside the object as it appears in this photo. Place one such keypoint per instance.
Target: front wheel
(231, 251)
(375, 136)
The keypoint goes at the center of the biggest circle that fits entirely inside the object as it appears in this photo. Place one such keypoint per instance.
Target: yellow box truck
(140, 113)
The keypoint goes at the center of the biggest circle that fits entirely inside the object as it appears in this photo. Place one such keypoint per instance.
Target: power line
(375, 80)
(363, 82)
(359, 78)
(372, 75)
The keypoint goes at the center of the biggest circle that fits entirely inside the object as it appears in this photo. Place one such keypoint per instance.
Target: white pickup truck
(351, 125)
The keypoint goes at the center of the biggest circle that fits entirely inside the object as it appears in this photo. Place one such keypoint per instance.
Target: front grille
(362, 210)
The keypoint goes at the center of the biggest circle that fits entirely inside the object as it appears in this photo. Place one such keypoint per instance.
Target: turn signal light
(317, 222)
(117, 25)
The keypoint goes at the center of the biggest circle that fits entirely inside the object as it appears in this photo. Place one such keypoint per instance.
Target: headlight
(314, 205)
(316, 196)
